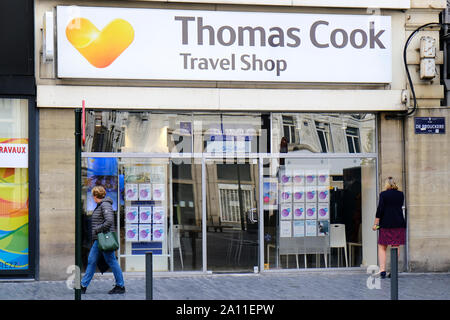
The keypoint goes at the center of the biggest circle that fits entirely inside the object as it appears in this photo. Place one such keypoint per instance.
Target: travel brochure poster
(102, 172)
(145, 193)
(145, 214)
(270, 194)
(299, 228)
(285, 211)
(304, 202)
(285, 229)
(310, 228)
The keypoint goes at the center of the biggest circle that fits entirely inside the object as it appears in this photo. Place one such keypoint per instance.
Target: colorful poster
(299, 194)
(298, 211)
(286, 194)
(131, 192)
(311, 211)
(299, 228)
(13, 219)
(145, 191)
(323, 194)
(323, 211)
(145, 214)
(311, 194)
(298, 177)
(158, 214)
(132, 232)
(311, 178)
(311, 228)
(145, 232)
(286, 212)
(323, 178)
(159, 192)
(158, 232)
(102, 172)
(285, 229)
(270, 194)
(132, 214)
(323, 228)
(286, 177)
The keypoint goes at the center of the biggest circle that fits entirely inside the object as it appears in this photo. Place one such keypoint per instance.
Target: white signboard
(13, 155)
(122, 43)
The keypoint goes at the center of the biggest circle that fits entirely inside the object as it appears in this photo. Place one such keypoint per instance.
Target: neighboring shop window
(323, 131)
(353, 140)
(14, 184)
(289, 129)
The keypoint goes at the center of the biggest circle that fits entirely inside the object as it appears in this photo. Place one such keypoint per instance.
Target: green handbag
(107, 241)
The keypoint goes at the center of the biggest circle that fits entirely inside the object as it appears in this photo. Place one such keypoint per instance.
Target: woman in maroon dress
(389, 221)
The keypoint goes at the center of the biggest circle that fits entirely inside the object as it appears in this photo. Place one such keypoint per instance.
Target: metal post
(148, 276)
(394, 273)
(77, 203)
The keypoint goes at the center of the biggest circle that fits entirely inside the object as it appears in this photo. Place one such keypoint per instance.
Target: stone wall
(57, 192)
(428, 179)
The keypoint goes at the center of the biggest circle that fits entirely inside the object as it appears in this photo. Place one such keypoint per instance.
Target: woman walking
(102, 221)
(389, 221)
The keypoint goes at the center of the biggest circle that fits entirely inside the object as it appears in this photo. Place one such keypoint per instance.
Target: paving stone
(266, 286)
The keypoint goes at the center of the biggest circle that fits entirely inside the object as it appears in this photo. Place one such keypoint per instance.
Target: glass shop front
(234, 192)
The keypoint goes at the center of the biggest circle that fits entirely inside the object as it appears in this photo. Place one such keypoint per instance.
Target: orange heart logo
(100, 48)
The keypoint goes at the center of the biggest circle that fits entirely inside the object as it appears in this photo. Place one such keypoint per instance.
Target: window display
(164, 201)
(315, 194)
(145, 214)
(14, 185)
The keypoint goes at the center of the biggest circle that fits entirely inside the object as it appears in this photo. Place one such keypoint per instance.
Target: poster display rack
(304, 211)
(145, 216)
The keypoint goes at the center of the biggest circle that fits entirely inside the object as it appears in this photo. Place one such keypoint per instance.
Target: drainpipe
(405, 192)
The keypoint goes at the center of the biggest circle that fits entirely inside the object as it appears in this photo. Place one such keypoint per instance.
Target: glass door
(232, 194)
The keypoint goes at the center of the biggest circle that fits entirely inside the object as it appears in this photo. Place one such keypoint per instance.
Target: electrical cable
(408, 113)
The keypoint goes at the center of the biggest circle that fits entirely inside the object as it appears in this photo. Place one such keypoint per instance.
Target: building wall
(425, 176)
(57, 193)
(428, 179)
(429, 221)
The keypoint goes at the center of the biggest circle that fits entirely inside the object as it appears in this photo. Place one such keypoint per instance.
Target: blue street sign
(429, 125)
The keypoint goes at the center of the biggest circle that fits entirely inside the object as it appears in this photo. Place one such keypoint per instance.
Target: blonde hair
(99, 192)
(390, 183)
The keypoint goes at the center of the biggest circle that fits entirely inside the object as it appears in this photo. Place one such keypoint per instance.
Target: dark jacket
(389, 209)
(103, 218)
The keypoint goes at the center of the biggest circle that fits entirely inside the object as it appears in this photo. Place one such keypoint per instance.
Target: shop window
(232, 133)
(326, 132)
(230, 210)
(314, 212)
(121, 131)
(323, 132)
(182, 171)
(352, 135)
(230, 172)
(14, 185)
(289, 129)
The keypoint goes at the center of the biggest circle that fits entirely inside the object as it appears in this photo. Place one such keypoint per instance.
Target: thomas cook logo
(100, 48)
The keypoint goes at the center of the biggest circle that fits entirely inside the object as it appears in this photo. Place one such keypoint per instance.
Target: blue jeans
(110, 259)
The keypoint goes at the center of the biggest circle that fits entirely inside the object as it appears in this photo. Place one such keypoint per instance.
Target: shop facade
(18, 148)
(186, 111)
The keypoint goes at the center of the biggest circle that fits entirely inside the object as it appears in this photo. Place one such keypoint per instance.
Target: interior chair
(177, 242)
(338, 240)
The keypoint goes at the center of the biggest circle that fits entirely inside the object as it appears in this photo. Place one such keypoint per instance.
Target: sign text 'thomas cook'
(229, 46)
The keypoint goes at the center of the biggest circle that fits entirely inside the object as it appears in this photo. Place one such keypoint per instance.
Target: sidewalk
(348, 285)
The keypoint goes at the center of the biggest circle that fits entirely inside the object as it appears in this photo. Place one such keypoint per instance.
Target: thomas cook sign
(157, 44)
